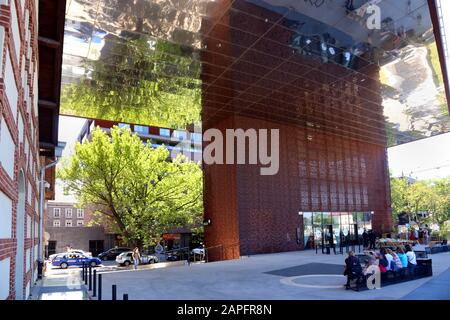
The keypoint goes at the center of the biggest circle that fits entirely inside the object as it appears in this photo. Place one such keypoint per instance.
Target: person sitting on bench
(353, 269)
(412, 261)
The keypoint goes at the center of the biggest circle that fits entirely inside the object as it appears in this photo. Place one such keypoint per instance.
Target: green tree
(134, 184)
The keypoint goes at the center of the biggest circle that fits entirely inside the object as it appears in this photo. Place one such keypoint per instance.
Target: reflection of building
(176, 141)
(67, 225)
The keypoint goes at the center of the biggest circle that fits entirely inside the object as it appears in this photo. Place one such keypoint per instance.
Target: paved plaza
(290, 275)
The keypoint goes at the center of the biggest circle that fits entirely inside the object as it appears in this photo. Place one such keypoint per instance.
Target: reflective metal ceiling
(164, 62)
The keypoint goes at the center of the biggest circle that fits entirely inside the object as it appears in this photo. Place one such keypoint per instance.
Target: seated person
(402, 256)
(412, 262)
(353, 269)
(396, 263)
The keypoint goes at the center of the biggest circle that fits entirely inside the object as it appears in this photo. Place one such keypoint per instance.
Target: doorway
(96, 247)
(20, 234)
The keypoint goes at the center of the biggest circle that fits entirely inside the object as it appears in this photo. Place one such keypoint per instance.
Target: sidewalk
(61, 287)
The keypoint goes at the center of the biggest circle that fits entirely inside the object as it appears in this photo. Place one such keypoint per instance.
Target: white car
(84, 253)
(200, 251)
(125, 259)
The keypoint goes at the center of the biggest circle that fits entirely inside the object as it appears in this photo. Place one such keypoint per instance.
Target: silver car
(126, 258)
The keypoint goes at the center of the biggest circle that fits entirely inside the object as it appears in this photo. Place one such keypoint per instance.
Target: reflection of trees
(174, 20)
(138, 80)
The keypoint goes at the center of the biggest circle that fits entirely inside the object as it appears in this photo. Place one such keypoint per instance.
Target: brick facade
(332, 135)
(19, 142)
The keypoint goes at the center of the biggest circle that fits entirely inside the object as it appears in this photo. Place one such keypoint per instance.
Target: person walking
(136, 257)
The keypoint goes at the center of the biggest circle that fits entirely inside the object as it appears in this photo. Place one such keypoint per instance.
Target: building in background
(69, 226)
(176, 141)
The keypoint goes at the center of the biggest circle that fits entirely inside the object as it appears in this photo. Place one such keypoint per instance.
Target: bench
(422, 270)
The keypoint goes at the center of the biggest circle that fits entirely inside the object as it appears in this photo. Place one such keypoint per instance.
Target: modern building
(340, 80)
(176, 141)
(69, 226)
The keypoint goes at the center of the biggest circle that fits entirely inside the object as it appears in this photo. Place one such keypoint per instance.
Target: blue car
(66, 260)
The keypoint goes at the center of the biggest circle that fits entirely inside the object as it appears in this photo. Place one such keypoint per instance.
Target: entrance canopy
(367, 72)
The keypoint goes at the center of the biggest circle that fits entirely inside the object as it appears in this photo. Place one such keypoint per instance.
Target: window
(68, 223)
(141, 129)
(164, 132)
(123, 125)
(179, 134)
(56, 223)
(56, 212)
(69, 213)
(80, 223)
(80, 213)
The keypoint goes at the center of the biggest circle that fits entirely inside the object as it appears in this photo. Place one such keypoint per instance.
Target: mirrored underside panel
(335, 66)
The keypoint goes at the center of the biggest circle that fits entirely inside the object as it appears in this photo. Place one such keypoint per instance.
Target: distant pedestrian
(372, 239)
(426, 236)
(365, 237)
(136, 257)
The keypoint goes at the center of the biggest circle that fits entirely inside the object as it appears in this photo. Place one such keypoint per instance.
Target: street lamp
(58, 153)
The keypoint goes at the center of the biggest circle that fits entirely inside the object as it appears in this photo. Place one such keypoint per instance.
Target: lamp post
(58, 153)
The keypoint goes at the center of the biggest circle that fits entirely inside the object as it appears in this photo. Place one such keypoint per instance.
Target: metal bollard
(82, 272)
(94, 291)
(114, 292)
(85, 275)
(125, 296)
(90, 278)
(99, 287)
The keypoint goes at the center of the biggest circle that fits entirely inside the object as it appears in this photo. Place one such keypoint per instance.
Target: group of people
(369, 239)
(422, 235)
(386, 260)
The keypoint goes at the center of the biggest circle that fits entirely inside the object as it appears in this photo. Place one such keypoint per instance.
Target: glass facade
(334, 228)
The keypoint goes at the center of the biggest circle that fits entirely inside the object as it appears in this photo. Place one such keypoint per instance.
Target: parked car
(65, 260)
(199, 251)
(126, 258)
(111, 254)
(87, 254)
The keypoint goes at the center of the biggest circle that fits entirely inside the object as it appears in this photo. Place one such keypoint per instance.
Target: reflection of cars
(111, 254)
(65, 260)
(87, 254)
(126, 258)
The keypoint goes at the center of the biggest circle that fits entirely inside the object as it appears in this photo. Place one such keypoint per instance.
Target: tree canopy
(432, 196)
(138, 80)
(134, 184)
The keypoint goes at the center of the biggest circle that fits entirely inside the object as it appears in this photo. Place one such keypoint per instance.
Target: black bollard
(90, 278)
(85, 275)
(125, 296)
(114, 292)
(99, 287)
(82, 272)
(94, 291)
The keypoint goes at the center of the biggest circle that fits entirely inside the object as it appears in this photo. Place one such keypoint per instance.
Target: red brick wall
(25, 160)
